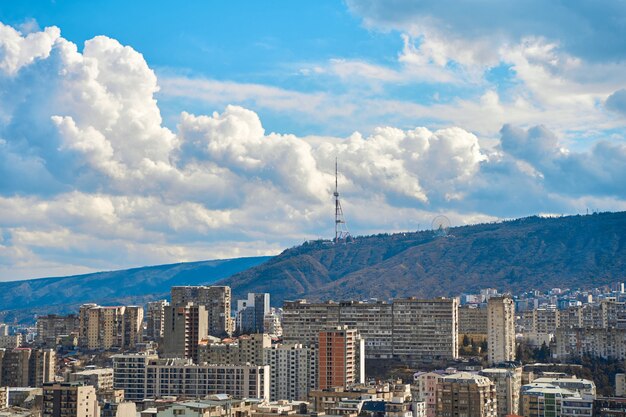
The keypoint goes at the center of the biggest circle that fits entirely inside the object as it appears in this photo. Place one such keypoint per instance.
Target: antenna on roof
(341, 228)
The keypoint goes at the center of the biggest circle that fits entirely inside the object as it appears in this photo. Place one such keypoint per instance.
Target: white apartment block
(145, 376)
(293, 370)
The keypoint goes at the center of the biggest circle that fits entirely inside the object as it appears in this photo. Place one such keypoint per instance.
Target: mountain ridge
(515, 255)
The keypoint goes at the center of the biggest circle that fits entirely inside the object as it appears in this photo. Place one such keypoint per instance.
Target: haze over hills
(518, 255)
(131, 286)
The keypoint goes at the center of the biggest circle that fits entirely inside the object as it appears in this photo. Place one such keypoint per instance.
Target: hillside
(138, 285)
(529, 253)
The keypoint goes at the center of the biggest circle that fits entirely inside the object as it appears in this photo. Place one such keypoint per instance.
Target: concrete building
(214, 406)
(51, 326)
(245, 349)
(339, 355)
(272, 323)
(110, 327)
(473, 323)
(508, 382)
(179, 377)
(251, 313)
(216, 300)
(425, 330)
(25, 367)
(129, 374)
(69, 400)
(464, 394)
(185, 326)
(425, 390)
(607, 343)
(501, 329)
(156, 320)
(293, 371)
(132, 327)
(11, 341)
(410, 329)
(582, 386)
(4, 397)
(542, 399)
(99, 378)
(620, 385)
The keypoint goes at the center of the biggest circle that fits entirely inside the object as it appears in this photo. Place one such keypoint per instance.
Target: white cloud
(95, 181)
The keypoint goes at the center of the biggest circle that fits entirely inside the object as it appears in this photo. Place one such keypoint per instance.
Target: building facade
(501, 329)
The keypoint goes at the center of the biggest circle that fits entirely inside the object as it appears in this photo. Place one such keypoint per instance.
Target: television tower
(341, 228)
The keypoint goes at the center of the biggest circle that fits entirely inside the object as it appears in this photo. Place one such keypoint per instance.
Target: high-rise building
(110, 327)
(185, 327)
(407, 329)
(129, 374)
(216, 300)
(25, 367)
(52, 326)
(340, 358)
(156, 320)
(425, 329)
(132, 327)
(501, 329)
(293, 370)
(465, 394)
(473, 323)
(607, 343)
(272, 322)
(508, 382)
(251, 313)
(69, 399)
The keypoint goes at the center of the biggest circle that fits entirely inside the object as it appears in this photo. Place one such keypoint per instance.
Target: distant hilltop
(518, 255)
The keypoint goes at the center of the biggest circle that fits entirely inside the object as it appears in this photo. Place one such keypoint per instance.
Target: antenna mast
(341, 228)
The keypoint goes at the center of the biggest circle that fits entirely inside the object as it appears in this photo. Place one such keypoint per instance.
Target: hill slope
(127, 286)
(529, 253)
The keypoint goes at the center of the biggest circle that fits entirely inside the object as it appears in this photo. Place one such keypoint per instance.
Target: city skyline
(147, 136)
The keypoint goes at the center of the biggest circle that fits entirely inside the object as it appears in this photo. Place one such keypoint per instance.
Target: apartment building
(129, 374)
(156, 320)
(340, 358)
(239, 351)
(110, 327)
(293, 371)
(70, 399)
(607, 343)
(508, 382)
(51, 326)
(543, 399)
(99, 378)
(216, 300)
(501, 329)
(185, 326)
(25, 367)
(473, 322)
(464, 394)
(408, 329)
(251, 313)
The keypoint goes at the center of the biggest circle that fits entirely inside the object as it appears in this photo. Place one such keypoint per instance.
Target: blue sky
(136, 133)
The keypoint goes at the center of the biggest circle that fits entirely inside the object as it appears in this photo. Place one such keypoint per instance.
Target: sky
(151, 132)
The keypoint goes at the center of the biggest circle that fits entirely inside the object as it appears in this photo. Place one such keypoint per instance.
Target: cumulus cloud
(90, 178)
(617, 102)
(586, 28)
